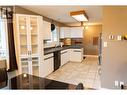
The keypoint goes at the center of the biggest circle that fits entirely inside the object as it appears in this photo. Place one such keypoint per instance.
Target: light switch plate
(111, 37)
(105, 44)
(116, 83)
(119, 37)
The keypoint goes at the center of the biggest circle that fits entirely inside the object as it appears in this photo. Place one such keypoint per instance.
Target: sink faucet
(55, 46)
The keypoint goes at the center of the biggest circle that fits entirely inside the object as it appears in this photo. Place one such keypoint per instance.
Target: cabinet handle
(28, 52)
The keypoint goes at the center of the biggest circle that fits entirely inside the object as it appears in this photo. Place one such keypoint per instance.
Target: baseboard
(90, 55)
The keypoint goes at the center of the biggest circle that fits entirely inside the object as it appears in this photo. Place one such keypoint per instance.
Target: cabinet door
(77, 32)
(67, 56)
(33, 36)
(22, 25)
(48, 64)
(62, 32)
(62, 59)
(76, 55)
(35, 66)
(67, 32)
(71, 55)
(24, 66)
(46, 30)
(46, 67)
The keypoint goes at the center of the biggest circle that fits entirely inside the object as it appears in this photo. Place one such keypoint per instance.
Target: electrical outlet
(121, 83)
(116, 83)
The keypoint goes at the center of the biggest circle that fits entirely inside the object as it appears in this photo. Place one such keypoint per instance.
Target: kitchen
(57, 46)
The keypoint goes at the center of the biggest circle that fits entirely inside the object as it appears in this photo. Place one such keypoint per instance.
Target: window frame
(4, 42)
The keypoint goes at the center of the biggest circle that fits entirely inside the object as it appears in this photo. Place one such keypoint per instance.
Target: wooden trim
(78, 13)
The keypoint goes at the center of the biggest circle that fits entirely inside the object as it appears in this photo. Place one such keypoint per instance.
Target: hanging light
(79, 15)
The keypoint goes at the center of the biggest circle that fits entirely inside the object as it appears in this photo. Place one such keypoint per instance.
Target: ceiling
(61, 13)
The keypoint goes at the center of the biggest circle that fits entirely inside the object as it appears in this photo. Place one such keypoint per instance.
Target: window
(3, 43)
(55, 35)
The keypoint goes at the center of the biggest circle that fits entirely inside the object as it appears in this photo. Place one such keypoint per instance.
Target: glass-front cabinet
(29, 43)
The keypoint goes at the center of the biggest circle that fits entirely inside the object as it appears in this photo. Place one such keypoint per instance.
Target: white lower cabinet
(76, 55)
(48, 64)
(64, 57)
(68, 55)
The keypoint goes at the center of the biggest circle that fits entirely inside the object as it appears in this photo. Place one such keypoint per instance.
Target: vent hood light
(79, 15)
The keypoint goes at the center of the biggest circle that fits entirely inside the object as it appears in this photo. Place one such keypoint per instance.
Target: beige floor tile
(85, 72)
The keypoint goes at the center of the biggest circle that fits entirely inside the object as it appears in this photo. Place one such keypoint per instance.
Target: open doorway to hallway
(92, 41)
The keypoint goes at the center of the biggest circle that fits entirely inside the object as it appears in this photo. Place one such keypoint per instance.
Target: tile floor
(85, 72)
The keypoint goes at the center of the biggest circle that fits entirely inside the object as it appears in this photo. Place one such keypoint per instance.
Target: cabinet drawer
(47, 56)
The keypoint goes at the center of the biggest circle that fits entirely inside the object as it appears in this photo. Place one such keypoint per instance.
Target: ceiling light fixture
(79, 15)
